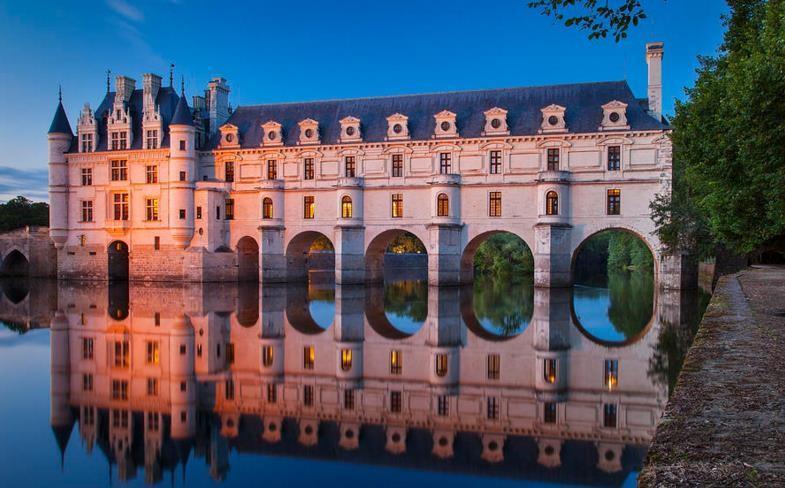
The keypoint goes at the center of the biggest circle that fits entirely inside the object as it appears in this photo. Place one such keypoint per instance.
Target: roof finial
(108, 73)
(171, 75)
(182, 85)
(60, 93)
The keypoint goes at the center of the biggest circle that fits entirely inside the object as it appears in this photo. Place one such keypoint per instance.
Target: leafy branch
(599, 17)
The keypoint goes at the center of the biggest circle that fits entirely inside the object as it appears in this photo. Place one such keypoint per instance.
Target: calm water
(402, 383)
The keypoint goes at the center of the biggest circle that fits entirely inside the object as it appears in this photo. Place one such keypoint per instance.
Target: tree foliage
(19, 212)
(503, 255)
(600, 17)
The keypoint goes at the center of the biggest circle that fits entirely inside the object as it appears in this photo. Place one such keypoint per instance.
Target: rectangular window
(153, 349)
(396, 362)
(121, 354)
(308, 207)
(272, 169)
(350, 167)
(119, 390)
(272, 393)
(267, 356)
(492, 411)
(115, 141)
(87, 143)
(443, 405)
(495, 204)
(87, 348)
(445, 163)
(549, 370)
(151, 173)
(395, 402)
(123, 140)
(397, 205)
(494, 366)
(157, 247)
(549, 413)
(182, 214)
(153, 422)
(611, 375)
(229, 171)
(152, 387)
(308, 168)
(441, 365)
(87, 382)
(87, 176)
(182, 145)
(397, 165)
(183, 175)
(609, 416)
(184, 349)
(120, 206)
(348, 399)
(614, 158)
(87, 211)
(229, 209)
(229, 389)
(119, 170)
(495, 162)
(614, 202)
(307, 395)
(151, 209)
(152, 139)
(198, 212)
(309, 357)
(553, 159)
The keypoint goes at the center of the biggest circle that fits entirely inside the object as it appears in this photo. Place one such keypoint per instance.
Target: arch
(551, 203)
(346, 207)
(15, 263)
(267, 208)
(118, 254)
(442, 205)
(247, 259)
(376, 251)
(300, 259)
(470, 250)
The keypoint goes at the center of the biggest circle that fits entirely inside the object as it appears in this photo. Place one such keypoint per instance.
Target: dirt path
(725, 423)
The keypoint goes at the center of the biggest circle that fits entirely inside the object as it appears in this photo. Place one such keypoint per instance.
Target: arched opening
(497, 255)
(310, 256)
(118, 261)
(551, 203)
(247, 259)
(267, 208)
(310, 308)
(395, 255)
(613, 295)
(346, 207)
(442, 205)
(15, 264)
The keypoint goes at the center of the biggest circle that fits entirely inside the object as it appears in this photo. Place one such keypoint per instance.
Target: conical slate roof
(60, 123)
(182, 114)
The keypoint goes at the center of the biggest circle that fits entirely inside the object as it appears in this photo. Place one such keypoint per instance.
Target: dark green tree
(503, 255)
(19, 212)
(600, 17)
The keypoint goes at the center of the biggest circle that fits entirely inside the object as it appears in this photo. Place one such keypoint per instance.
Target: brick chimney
(654, 53)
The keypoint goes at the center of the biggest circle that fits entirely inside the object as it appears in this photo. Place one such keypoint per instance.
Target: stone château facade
(151, 188)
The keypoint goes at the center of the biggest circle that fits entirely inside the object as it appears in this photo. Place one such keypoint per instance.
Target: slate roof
(583, 102)
(60, 123)
(182, 114)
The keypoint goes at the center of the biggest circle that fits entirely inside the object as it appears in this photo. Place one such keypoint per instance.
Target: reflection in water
(202, 380)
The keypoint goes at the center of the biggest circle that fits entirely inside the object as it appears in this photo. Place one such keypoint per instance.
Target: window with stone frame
(396, 402)
(120, 206)
(614, 201)
(495, 204)
(151, 173)
(445, 163)
(397, 165)
(551, 203)
(308, 168)
(492, 411)
(397, 205)
(350, 166)
(267, 208)
(346, 207)
(309, 207)
(151, 209)
(229, 209)
(87, 176)
(442, 205)
(151, 139)
(87, 210)
(87, 143)
(614, 158)
(272, 169)
(553, 159)
(549, 413)
(119, 169)
(609, 415)
(229, 171)
(495, 162)
(494, 366)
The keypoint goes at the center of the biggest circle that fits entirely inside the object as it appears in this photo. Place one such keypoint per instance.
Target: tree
(19, 212)
(599, 17)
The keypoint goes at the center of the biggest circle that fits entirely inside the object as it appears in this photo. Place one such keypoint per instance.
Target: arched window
(267, 208)
(442, 205)
(346, 207)
(551, 203)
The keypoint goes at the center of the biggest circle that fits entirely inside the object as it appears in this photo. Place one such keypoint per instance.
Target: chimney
(654, 52)
(218, 103)
(151, 84)
(124, 88)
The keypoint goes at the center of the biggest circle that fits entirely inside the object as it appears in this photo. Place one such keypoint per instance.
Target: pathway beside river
(725, 422)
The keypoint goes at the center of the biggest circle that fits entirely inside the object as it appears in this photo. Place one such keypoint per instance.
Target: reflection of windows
(346, 359)
(611, 376)
(87, 382)
(307, 395)
(348, 399)
(442, 205)
(121, 353)
(229, 389)
(493, 408)
(494, 366)
(549, 413)
(551, 203)
(396, 361)
(152, 352)
(119, 418)
(395, 401)
(346, 207)
(609, 415)
(267, 356)
(549, 370)
(88, 416)
(153, 422)
(87, 348)
(272, 393)
(443, 405)
(397, 205)
(230, 353)
(441, 365)
(152, 387)
(309, 357)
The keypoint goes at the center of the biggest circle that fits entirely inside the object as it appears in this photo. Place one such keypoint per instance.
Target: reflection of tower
(444, 336)
(182, 385)
(218, 455)
(61, 418)
(271, 338)
(153, 440)
(348, 330)
(551, 320)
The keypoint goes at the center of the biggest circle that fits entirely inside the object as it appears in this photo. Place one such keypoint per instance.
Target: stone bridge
(28, 251)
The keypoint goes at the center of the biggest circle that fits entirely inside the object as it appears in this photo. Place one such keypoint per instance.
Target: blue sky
(310, 49)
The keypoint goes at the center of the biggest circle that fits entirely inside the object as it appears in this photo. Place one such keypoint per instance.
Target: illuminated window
(272, 169)
(549, 370)
(346, 359)
(395, 402)
(495, 162)
(611, 376)
(445, 163)
(397, 165)
(494, 366)
(87, 176)
(553, 159)
(350, 166)
(443, 405)
(151, 142)
(151, 173)
(307, 395)
(495, 204)
(87, 382)
(614, 158)
(442, 205)
(309, 207)
(119, 390)
(609, 416)
(153, 352)
(551, 203)
(397, 205)
(199, 212)
(309, 357)
(120, 206)
(308, 168)
(441, 365)
(272, 393)
(267, 356)
(492, 411)
(348, 399)
(119, 170)
(87, 210)
(267, 208)
(346, 207)
(151, 209)
(549, 413)
(614, 201)
(229, 171)
(396, 362)
(152, 387)
(121, 354)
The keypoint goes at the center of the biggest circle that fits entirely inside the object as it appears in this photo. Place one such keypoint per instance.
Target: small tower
(60, 137)
(182, 173)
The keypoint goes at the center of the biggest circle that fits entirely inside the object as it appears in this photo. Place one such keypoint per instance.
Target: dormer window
(309, 131)
(119, 140)
(230, 136)
(272, 134)
(614, 116)
(496, 122)
(350, 129)
(151, 139)
(553, 119)
(397, 127)
(445, 125)
(87, 143)
(88, 130)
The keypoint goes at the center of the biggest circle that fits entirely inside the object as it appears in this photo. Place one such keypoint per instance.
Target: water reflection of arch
(377, 318)
(247, 303)
(609, 343)
(469, 317)
(298, 312)
(377, 247)
(470, 250)
(15, 291)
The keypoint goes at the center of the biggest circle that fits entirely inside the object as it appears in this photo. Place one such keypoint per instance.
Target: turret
(182, 173)
(60, 137)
